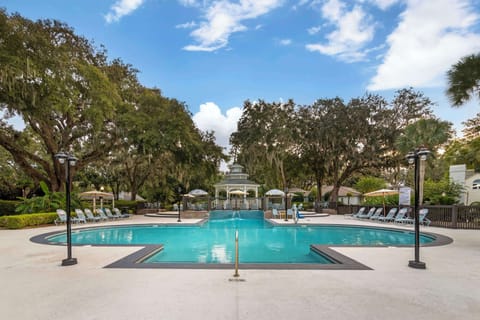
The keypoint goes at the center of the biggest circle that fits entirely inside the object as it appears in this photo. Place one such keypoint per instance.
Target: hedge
(27, 220)
(7, 207)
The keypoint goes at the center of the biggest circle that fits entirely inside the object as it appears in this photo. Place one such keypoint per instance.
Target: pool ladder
(236, 255)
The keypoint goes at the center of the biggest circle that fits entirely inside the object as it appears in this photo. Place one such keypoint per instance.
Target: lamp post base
(417, 264)
(69, 261)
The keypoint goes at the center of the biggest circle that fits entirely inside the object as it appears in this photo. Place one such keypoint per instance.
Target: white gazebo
(236, 183)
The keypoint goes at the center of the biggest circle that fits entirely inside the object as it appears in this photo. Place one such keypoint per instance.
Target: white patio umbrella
(275, 193)
(198, 193)
(381, 193)
(238, 192)
(94, 194)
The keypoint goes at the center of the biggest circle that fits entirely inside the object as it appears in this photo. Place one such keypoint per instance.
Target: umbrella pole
(384, 204)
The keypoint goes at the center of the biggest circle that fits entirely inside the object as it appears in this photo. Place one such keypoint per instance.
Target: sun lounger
(108, 214)
(119, 214)
(389, 217)
(401, 216)
(90, 216)
(422, 218)
(356, 214)
(275, 214)
(80, 216)
(367, 215)
(62, 217)
(377, 214)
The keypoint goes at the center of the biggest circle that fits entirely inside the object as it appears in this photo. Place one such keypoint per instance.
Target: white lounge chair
(356, 214)
(422, 218)
(62, 217)
(80, 216)
(367, 215)
(390, 215)
(401, 216)
(377, 214)
(275, 213)
(90, 216)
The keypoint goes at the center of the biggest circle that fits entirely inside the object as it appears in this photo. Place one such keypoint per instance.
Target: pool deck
(35, 286)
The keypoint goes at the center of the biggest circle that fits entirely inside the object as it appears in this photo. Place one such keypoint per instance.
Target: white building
(469, 179)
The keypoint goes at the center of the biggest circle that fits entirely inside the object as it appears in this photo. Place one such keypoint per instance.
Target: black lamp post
(179, 201)
(68, 160)
(286, 204)
(415, 157)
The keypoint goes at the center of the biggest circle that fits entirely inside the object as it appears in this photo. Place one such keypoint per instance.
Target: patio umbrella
(94, 194)
(275, 193)
(198, 192)
(238, 192)
(188, 195)
(381, 193)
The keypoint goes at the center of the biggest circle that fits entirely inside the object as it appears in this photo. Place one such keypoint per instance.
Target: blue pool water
(259, 241)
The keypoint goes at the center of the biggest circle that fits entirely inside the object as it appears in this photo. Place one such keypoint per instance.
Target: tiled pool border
(340, 261)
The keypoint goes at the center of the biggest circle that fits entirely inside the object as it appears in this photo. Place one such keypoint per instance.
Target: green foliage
(377, 201)
(50, 201)
(27, 220)
(369, 184)
(463, 79)
(265, 139)
(132, 205)
(64, 90)
(464, 152)
(430, 133)
(7, 207)
(443, 192)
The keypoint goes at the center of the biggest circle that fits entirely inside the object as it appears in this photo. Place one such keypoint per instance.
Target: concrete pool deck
(35, 286)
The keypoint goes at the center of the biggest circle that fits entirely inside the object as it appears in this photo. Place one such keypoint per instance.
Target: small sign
(404, 196)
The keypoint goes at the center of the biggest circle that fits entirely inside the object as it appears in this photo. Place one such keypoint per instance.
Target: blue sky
(214, 55)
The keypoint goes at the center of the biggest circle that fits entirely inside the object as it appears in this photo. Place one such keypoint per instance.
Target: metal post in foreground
(286, 204)
(236, 255)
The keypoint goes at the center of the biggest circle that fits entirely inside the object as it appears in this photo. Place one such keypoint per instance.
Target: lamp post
(286, 203)
(179, 198)
(415, 157)
(67, 160)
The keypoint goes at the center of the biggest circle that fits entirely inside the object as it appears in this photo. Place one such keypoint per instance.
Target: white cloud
(210, 118)
(189, 3)
(352, 32)
(285, 42)
(431, 36)
(314, 30)
(222, 18)
(384, 4)
(186, 25)
(122, 8)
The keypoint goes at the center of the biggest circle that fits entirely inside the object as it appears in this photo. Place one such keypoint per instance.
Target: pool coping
(340, 261)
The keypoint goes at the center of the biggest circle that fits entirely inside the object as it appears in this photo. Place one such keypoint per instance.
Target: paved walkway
(35, 286)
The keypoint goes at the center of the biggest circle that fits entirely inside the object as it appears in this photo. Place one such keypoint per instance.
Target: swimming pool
(260, 242)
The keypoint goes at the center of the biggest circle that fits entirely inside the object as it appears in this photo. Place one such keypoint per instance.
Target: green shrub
(132, 205)
(27, 220)
(7, 207)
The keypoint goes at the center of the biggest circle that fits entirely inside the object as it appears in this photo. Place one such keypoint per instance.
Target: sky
(216, 54)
